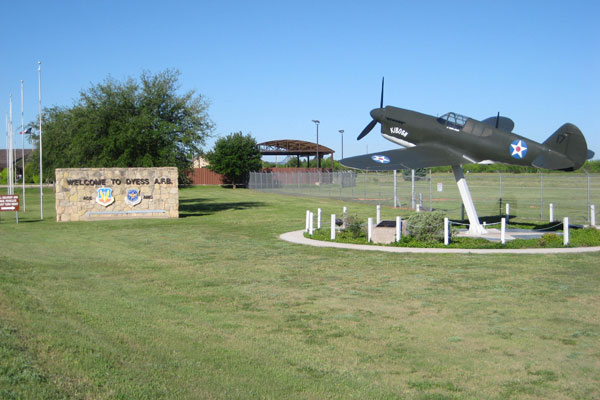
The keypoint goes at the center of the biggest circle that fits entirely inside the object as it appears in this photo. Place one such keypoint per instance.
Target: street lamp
(342, 132)
(317, 122)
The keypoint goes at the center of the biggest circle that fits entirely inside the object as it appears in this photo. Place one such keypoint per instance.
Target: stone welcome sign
(88, 194)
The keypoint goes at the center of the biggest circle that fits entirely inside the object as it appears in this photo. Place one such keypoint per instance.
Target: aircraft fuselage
(478, 142)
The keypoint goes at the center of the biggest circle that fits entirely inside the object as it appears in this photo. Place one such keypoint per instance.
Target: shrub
(354, 226)
(426, 226)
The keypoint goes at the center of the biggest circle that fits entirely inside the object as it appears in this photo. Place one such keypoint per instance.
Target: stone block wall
(88, 194)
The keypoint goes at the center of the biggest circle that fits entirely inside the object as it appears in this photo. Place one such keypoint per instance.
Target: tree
(136, 123)
(235, 156)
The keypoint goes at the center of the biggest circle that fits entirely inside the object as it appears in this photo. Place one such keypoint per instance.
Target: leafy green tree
(135, 123)
(235, 156)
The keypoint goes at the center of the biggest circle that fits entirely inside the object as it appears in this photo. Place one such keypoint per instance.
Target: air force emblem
(518, 149)
(105, 197)
(133, 197)
(380, 159)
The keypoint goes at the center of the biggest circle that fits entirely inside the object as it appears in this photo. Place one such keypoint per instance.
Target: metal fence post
(395, 188)
(588, 196)
(541, 195)
(412, 190)
(430, 192)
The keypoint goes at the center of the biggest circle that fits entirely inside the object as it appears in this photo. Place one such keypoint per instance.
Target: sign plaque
(9, 202)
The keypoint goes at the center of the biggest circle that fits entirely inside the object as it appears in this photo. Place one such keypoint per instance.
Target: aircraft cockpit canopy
(453, 121)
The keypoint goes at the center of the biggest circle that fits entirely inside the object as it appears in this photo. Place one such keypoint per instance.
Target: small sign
(440, 187)
(9, 202)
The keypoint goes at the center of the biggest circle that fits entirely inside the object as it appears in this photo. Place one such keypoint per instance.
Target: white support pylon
(475, 228)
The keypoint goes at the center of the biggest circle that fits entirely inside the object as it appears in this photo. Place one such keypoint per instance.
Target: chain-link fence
(529, 195)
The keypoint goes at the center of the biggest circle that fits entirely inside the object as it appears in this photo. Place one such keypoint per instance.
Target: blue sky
(270, 67)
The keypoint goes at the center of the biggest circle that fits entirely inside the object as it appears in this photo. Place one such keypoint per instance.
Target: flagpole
(7, 148)
(40, 106)
(22, 146)
(11, 183)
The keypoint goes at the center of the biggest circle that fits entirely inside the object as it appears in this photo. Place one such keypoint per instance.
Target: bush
(354, 226)
(426, 226)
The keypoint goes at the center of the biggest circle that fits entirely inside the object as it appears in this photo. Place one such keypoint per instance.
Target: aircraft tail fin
(567, 150)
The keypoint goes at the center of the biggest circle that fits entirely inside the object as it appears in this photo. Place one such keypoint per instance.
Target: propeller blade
(381, 102)
(367, 129)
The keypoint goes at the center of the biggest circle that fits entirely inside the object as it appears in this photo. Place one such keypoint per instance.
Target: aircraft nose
(378, 114)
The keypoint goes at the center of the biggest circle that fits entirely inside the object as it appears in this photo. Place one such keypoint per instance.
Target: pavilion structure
(298, 148)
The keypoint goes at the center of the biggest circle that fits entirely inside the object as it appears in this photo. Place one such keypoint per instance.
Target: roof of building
(17, 157)
(292, 147)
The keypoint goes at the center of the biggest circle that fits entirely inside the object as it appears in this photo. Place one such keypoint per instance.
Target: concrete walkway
(298, 238)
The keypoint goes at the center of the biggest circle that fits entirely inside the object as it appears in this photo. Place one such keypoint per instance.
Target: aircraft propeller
(373, 122)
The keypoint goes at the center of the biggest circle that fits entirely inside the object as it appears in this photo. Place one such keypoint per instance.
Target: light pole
(40, 106)
(317, 122)
(342, 132)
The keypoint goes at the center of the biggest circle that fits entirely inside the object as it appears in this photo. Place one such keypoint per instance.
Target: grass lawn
(214, 305)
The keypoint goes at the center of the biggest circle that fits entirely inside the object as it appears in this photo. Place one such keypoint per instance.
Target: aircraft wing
(420, 156)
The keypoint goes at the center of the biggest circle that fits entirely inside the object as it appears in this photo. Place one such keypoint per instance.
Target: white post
(551, 211)
(593, 215)
(507, 212)
(369, 229)
(446, 232)
(318, 218)
(344, 210)
(332, 237)
(566, 231)
(307, 222)
(378, 214)
(503, 230)
(311, 224)
(418, 207)
(398, 229)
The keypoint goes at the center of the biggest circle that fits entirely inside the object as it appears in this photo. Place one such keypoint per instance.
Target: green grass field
(214, 305)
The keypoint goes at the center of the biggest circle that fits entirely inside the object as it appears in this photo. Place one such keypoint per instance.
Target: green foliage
(591, 166)
(31, 175)
(420, 174)
(4, 176)
(235, 156)
(354, 227)
(136, 123)
(426, 226)
(584, 237)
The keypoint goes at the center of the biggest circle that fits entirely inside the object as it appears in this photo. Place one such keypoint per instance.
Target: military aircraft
(454, 139)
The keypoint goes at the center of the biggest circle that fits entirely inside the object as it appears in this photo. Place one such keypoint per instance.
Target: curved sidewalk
(298, 238)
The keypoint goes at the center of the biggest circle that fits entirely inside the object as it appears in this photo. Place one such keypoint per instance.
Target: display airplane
(454, 139)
